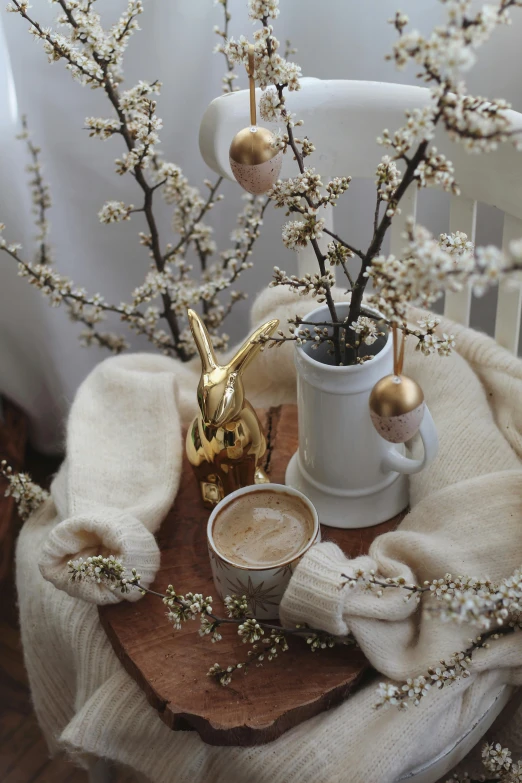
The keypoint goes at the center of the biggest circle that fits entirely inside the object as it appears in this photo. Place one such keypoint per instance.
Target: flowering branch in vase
(412, 160)
(94, 56)
(425, 262)
(367, 328)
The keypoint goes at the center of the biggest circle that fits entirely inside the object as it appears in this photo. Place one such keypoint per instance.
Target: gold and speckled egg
(255, 162)
(397, 408)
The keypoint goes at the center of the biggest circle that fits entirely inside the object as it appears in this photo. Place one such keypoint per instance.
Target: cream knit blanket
(119, 479)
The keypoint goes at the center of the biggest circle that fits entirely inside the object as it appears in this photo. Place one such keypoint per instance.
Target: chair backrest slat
(463, 217)
(509, 301)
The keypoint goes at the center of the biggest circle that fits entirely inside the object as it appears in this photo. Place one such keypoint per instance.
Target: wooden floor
(23, 752)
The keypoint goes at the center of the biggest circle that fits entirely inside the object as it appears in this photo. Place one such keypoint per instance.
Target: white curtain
(41, 363)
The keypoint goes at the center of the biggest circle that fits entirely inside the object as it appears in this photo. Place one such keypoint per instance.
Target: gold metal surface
(395, 395)
(261, 477)
(225, 441)
(252, 146)
(398, 353)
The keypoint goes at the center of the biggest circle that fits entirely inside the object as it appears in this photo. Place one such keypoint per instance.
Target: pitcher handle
(393, 461)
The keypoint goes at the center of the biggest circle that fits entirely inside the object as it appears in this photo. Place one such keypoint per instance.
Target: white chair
(356, 113)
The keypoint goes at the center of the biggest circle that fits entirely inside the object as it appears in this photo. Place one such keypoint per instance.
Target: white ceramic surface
(351, 474)
(263, 587)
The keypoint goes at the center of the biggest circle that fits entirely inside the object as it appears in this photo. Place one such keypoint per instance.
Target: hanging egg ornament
(255, 162)
(397, 402)
(397, 408)
(254, 157)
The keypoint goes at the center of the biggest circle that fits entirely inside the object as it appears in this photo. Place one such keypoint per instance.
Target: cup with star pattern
(256, 537)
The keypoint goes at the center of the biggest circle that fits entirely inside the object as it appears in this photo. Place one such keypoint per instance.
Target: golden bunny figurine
(225, 442)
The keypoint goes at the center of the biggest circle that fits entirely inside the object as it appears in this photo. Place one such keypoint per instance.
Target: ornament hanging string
(255, 157)
(398, 351)
(252, 85)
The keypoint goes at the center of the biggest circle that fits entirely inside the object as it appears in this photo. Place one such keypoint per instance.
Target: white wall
(41, 364)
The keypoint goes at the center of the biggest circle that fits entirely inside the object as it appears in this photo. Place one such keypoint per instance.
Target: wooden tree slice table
(170, 666)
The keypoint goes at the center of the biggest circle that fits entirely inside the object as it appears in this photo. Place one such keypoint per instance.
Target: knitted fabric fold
(397, 637)
(107, 532)
(120, 477)
(121, 474)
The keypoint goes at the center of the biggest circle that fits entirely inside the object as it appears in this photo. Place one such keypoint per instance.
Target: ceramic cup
(262, 585)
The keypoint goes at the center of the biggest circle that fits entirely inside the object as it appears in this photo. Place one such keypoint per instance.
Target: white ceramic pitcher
(353, 477)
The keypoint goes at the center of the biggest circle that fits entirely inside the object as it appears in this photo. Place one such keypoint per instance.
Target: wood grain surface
(170, 666)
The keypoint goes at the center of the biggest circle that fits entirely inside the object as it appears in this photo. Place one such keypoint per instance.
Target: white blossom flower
(102, 129)
(388, 178)
(270, 106)
(366, 328)
(387, 695)
(259, 9)
(456, 243)
(27, 495)
(250, 631)
(416, 688)
(114, 211)
(436, 171)
(335, 188)
(496, 758)
(297, 233)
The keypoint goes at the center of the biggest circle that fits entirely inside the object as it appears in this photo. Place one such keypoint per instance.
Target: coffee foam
(263, 528)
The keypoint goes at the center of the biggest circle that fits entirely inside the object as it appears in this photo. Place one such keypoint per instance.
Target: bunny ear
(252, 346)
(202, 340)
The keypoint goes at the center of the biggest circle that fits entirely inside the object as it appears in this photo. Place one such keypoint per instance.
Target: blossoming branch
(27, 495)
(411, 161)
(94, 56)
(494, 609)
(191, 606)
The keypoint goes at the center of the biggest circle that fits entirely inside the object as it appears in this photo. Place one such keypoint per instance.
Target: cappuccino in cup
(263, 528)
(256, 536)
